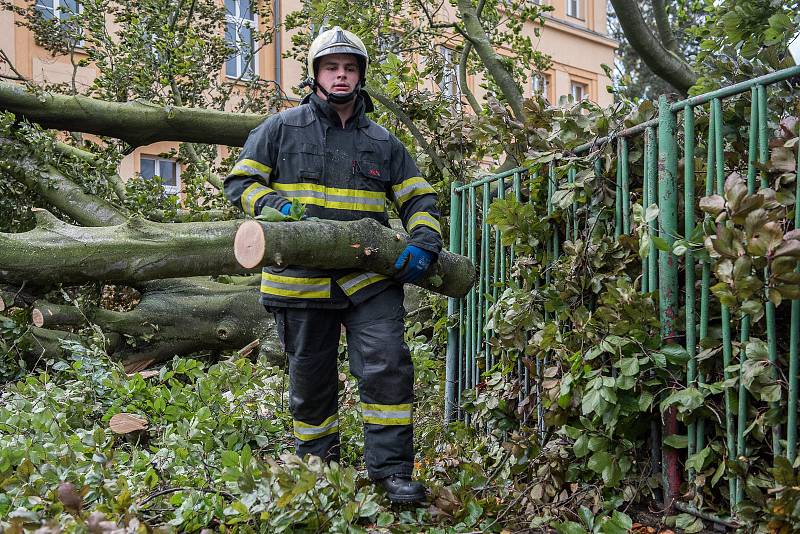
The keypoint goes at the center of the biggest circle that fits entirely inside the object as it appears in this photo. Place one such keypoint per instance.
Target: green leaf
(629, 366)
(599, 462)
(697, 461)
(569, 527)
(587, 516)
(385, 519)
(660, 243)
(270, 215)
(581, 446)
(676, 441)
(675, 354)
(687, 400)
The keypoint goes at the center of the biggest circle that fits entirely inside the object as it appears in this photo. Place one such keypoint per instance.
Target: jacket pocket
(305, 162)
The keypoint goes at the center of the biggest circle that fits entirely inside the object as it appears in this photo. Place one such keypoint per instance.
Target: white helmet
(337, 41)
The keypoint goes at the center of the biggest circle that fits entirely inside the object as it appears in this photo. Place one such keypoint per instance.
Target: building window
(57, 9)
(63, 11)
(449, 85)
(574, 8)
(240, 23)
(579, 91)
(540, 84)
(166, 169)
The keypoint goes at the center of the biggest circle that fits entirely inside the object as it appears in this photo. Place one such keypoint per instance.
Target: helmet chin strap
(339, 98)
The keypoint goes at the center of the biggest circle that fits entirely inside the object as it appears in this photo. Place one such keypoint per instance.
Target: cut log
(136, 123)
(363, 244)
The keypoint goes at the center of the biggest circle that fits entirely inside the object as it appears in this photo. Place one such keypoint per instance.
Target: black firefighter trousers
(379, 359)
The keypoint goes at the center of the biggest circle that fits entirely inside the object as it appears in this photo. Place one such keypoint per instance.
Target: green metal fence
(469, 341)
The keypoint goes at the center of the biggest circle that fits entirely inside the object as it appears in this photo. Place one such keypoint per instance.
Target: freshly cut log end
(249, 245)
(125, 423)
(37, 317)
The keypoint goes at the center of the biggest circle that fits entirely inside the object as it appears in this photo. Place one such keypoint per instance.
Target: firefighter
(326, 154)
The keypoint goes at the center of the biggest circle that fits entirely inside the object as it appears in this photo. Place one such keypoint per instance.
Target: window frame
(168, 189)
(584, 89)
(544, 78)
(577, 13)
(62, 15)
(239, 22)
(449, 85)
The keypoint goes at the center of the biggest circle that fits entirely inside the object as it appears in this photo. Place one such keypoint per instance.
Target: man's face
(337, 73)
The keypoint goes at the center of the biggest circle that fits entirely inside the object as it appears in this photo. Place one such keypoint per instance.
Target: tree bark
(135, 251)
(363, 244)
(175, 317)
(664, 28)
(491, 59)
(661, 61)
(136, 123)
(58, 190)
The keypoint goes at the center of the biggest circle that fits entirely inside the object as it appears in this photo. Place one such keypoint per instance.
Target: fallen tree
(136, 123)
(178, 316)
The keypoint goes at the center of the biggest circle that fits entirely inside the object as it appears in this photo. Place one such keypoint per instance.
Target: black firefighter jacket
(341, 174)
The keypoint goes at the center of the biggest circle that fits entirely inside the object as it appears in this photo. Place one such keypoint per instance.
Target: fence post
(668, 270)
(453, 330)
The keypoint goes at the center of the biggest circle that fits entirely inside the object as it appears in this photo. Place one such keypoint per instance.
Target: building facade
(574, 35)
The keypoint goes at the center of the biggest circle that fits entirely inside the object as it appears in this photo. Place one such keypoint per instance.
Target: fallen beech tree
(139, 250)
(174, 317)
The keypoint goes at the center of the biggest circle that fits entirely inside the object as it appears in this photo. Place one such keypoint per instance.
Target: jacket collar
(323, 109)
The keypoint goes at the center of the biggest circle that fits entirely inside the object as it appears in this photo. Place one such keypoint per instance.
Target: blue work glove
(286, 208)
(412, 264)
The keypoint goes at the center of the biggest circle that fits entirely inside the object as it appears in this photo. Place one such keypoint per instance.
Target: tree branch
(58, 190)
(664, 64)
(462, 67)
(136, 123)
(474, 32)
(664, 27)
(117, 184)
(403, 117)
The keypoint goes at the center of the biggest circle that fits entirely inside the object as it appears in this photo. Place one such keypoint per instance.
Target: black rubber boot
(401, 489)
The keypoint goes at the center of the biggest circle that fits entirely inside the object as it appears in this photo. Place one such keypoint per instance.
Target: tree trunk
(491, 59)
(138, 250)
(363, 244)
(664, 64)
(136, 123)
(174, 317)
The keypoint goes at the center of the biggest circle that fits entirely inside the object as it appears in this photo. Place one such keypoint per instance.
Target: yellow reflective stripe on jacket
(334, 197)
(250, 167)
(306, 432)
(298, 287)
(386, 414)
(251, 195)
(423, 218)
(411, 188)
(352, 283)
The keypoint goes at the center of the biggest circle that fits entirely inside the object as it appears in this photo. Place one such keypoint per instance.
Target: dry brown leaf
(137, 365)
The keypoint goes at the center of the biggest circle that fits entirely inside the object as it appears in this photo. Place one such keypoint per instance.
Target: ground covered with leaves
(216, 454)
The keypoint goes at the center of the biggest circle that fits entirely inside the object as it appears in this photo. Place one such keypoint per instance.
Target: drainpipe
(276, 14)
